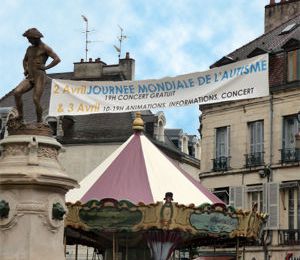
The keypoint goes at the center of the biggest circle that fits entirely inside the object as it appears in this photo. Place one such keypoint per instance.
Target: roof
(270, 42)
(133, 173)
(173, 132)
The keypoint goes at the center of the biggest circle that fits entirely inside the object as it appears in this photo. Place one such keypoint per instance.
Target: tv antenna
(120, 38)
(87, 31)
(86, 35)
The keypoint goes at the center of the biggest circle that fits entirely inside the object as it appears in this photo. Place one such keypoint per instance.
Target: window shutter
(273, 192)
(237, 196)
(232, 196)
(271, 204)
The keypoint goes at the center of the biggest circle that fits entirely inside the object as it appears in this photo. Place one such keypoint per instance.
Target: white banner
(240, 80)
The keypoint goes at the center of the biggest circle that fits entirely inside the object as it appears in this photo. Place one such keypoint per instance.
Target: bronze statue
(34, 64)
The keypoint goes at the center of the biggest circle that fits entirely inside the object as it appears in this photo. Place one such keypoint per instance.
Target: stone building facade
(251, 157)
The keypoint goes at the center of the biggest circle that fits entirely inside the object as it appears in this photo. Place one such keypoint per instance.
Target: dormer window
(293, 65)
(160, 127)
(293, 59)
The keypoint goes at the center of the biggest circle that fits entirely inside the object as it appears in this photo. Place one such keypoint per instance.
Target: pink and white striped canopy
(139, 172)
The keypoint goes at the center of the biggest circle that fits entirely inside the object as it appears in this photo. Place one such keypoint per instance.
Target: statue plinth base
(33, 185)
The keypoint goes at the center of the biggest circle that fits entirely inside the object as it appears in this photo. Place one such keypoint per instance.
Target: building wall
(237, 115)
(193, 171)
(79, 160)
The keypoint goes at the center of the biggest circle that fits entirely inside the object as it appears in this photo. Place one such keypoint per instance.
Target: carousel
(139, 204)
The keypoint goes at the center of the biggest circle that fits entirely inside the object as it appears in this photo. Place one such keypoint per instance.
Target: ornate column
(32, 206)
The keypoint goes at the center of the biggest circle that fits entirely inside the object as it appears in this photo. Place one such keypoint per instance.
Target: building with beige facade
(251, 157)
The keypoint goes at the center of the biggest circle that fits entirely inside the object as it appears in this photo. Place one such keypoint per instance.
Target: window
(222, 194)
(161, 130)
(291, 234)
(289, 153)
(294, 208)
(293, 216)
(293, 65)
(221, 161)
(184, 147)
(256, 140)
(255, 196)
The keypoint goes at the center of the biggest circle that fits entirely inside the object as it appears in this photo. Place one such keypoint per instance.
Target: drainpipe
(268, 237)
(271, 135)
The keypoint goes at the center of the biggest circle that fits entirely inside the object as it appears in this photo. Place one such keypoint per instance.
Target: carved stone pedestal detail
(33, 186)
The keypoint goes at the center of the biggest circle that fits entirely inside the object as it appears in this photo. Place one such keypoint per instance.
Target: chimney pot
(127, 55)
(81, 60)
(272, 2)
(90, 60)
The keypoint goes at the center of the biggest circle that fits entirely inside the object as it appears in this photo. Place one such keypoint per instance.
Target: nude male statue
(34, 64)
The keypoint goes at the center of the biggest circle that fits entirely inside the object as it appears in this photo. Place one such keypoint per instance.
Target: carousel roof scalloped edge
(217, 220)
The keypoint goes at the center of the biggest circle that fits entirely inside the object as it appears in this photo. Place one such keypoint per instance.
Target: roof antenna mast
(86, 35)
(120, 38)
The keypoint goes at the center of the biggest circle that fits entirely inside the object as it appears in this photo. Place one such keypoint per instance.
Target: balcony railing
(254, 159)
(290, 155)
(221, 164)
(289, 237)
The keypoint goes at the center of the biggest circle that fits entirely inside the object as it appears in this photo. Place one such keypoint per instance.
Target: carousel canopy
(139, 172)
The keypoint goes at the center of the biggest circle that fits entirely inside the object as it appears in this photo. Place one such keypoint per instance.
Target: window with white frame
(256, 130)
(290, 128)
(221, 161)
(222, 142)
(256, 144)
(255, 196)
(294, 208)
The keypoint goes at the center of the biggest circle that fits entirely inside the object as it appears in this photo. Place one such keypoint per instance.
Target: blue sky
(166, 37)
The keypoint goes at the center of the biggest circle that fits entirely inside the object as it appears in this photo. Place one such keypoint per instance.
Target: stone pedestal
(32, 191)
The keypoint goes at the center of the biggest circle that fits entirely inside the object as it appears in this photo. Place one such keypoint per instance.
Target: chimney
(278, 13)
(89, 69)
(127, 66)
